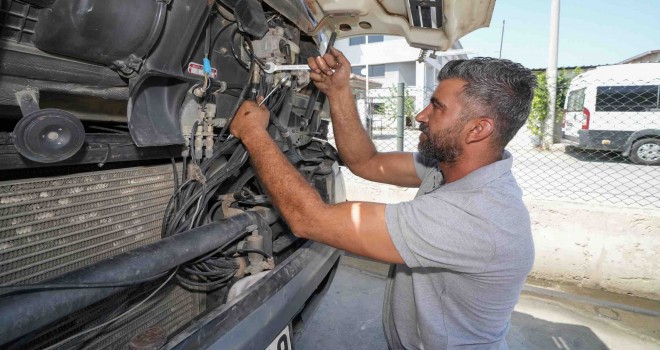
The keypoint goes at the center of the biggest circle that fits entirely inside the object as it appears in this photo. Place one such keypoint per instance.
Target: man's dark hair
(500, 89)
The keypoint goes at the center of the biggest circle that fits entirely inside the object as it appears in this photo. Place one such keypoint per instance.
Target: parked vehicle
(616, 108)
(129, 217)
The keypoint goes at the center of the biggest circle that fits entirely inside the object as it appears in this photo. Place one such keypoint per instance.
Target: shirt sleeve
(431, 232)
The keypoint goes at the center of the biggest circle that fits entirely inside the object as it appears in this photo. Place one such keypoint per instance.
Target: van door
(574, 118)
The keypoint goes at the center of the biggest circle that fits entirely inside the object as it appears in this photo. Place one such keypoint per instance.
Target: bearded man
(461, 250)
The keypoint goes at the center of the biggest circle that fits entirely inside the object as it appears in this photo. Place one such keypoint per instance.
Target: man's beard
(444, 146)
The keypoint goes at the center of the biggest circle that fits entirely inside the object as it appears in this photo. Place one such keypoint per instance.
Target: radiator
(50, 226)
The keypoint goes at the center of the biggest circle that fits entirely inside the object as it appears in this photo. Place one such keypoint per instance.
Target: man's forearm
(290, 192)
(356, 227)
(354, 145)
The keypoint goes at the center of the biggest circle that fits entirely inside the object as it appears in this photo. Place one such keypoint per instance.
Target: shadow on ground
(597, 156)
(529, 332)
(349, 317)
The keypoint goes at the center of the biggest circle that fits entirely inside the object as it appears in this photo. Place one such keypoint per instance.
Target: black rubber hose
(316, 93)
(23, 313)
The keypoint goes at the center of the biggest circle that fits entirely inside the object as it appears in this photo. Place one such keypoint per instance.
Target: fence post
(370, 117)
(548, 126)
(400, 90)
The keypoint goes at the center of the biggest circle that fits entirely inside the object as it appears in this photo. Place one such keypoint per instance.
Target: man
(462, 248)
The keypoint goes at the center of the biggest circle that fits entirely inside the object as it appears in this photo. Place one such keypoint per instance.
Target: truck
(129, 217)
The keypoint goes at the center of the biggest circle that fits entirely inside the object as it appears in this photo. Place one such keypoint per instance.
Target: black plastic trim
(266, 308)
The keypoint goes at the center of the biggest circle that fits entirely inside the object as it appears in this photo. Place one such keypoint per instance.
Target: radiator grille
(17, 21)
(171, 309)
(55, 225)
(51, 226)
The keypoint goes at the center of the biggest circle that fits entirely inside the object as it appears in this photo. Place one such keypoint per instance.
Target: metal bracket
(28, 100)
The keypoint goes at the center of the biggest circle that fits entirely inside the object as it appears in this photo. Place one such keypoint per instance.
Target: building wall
(394, 53)
(650, 58)
(390, 50)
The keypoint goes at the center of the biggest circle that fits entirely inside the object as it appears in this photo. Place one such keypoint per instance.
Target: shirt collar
(483, 175)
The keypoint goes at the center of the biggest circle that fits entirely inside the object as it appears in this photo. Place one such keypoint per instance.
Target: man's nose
(422, 116)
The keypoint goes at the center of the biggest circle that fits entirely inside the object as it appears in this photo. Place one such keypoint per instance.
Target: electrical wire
(50, 286)
(252, 250)
(238, 101)
(112, 320)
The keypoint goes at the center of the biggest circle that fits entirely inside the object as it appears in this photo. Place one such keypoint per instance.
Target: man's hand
(249, 118)
(330, 72)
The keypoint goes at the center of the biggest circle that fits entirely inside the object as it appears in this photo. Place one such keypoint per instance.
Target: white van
(616, 108)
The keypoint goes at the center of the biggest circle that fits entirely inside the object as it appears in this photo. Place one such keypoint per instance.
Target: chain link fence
(604, 146)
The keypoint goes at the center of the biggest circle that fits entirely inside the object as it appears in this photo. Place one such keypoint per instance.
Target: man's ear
(479, 129)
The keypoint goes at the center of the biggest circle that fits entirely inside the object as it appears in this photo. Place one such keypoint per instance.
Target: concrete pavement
(349, 317)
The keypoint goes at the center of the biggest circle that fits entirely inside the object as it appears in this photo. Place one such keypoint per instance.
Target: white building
(389, 60)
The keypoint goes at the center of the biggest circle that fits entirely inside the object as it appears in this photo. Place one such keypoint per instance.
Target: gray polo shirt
(467, 247)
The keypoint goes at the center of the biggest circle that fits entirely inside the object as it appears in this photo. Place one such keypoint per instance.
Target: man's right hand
(330, 72)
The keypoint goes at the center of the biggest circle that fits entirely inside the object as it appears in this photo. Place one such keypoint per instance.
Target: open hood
(430, 24)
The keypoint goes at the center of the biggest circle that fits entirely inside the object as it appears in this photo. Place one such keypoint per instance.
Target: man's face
(441, 123)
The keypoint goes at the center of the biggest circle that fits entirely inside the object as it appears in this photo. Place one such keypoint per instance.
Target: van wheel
(646, 151)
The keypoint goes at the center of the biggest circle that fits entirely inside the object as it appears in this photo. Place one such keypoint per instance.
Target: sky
(591, 32)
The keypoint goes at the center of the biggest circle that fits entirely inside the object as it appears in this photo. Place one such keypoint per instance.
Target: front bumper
(255, 319)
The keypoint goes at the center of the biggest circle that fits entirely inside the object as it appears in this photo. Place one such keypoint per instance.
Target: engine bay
(117, 142)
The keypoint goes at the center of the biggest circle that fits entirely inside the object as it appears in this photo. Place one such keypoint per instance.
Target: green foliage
(541, 100)
(388, 106)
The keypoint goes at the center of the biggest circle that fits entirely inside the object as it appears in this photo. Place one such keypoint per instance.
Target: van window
(631, 98)
(575, 100)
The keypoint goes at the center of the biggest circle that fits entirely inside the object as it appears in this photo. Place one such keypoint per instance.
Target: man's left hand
(249, 118)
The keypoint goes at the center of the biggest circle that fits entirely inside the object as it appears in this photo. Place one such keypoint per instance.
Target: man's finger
(312, 64)
(339, 56)
(323, 66)
(317, 77)
(330, 60)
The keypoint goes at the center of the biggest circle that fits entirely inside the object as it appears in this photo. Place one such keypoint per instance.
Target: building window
(375, 38)
(356, 40)
(377, 70)
(357, 70)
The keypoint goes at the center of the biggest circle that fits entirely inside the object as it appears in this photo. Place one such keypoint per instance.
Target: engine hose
(24, 313)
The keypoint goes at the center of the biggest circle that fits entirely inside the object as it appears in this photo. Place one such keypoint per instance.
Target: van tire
(646, 151)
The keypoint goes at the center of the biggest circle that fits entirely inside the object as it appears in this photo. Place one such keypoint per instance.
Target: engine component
(243, 284)
(259, 260)
(197, 122)
(152, 338)
(22, 313)
(276, 47)
(49, 135)
(250, 16)
(168, 310)
(123, 30)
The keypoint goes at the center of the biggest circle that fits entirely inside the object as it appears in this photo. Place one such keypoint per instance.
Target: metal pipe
(400, 90)
(24, 313)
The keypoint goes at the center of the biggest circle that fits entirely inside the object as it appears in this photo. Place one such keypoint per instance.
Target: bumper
(254, 320)
(607, 140)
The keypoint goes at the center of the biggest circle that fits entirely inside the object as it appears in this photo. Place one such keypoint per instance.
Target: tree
(539, 111)
(388, 106)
